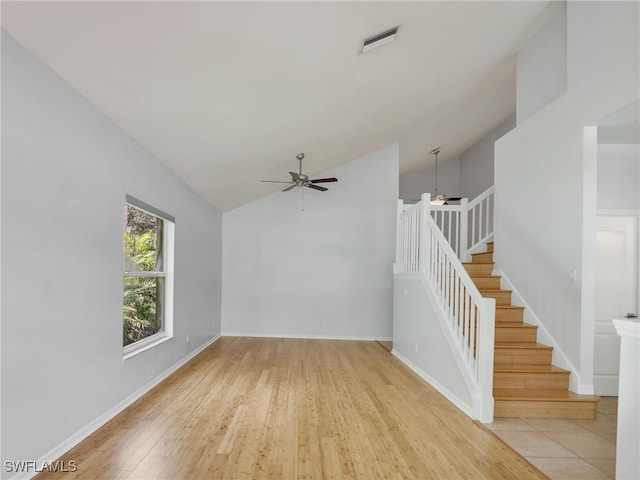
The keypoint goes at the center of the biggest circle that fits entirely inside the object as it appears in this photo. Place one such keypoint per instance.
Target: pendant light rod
(435, 152)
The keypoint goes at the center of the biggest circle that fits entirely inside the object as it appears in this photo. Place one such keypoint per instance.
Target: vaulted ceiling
(227, 93)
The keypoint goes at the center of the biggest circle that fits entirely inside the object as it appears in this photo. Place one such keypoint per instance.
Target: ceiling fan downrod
(435, 152)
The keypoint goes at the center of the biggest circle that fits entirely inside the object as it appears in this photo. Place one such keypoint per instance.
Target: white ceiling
(227, 93)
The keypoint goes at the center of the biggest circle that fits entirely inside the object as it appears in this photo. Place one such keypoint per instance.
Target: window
(148, 276)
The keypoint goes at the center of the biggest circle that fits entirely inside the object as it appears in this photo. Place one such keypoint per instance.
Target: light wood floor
(253, 408)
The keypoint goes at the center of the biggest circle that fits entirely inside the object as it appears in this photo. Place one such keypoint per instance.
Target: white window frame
(168, 238)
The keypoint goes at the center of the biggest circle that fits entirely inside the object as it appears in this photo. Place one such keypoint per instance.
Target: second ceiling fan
(301, 180)
(439, 198)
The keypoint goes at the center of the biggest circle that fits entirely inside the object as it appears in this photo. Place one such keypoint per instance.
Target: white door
(616, 294)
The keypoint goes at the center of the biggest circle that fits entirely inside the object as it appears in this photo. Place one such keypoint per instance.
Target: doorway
(616, 294)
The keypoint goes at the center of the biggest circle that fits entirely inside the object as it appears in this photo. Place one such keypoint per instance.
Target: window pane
(142, 312)
(142, 241)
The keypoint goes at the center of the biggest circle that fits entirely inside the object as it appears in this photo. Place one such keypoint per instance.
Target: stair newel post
(424, 234)
(463, 225)
(485, 353)
(398, 266)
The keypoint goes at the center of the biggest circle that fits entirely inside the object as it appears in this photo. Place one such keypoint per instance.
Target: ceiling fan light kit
(301, 180)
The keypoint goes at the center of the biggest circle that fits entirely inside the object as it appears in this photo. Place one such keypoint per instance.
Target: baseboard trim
(306, 336)
(66, 445)
(467, 409)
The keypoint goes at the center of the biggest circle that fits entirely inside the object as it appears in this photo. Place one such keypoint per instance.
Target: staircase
(525, 383)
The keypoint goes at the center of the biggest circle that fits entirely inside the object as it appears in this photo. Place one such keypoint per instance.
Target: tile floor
(566, 449)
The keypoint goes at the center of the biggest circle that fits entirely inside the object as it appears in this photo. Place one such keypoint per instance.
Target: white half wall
(540, 176)
(65, 171)
(325, 272)
(420, 341)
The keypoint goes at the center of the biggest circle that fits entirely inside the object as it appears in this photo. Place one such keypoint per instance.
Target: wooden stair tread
(539, 346)
(528, 368)
(512, 307)
(542, 395)
(478, 263)
(516, 325)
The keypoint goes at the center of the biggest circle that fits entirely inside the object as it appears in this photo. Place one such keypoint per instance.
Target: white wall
(322, 272)
(65, 171)
(619, 176)
(539, 175)
(542, 66)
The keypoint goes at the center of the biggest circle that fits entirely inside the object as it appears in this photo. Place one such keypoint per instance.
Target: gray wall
(322, 272)
(468, 175)
(477, 163)
(619, 176)
(65, 171)
(413, 186)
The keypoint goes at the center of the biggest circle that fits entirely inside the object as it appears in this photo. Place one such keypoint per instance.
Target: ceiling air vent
(379, 39)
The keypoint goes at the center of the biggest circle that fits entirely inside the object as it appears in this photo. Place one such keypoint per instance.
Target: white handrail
(470, 317)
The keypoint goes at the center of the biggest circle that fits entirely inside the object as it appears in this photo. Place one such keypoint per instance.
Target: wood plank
(544, 404)
(254, 408)
(479, 269)
(516, 333)
(530, 377)
(502, 297)
(482, 257)
(491, 282)
(522, 353)
(509, 314)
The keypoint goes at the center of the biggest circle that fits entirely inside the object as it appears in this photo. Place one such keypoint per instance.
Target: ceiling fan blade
(289, 188)
(273, 181)
(454, 198)
(324, 180)
(316, 187)
(295, 176)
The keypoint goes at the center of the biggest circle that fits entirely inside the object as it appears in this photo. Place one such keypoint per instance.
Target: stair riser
(487, 283)
(544, 409)
(509, 315)
(489, 246)
(516, 335)
(481, 269)
(482, 257)
(535, 356)
(502, 298)
(531, 381)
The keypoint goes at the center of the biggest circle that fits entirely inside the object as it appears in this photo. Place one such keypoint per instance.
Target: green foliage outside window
(143, 294)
